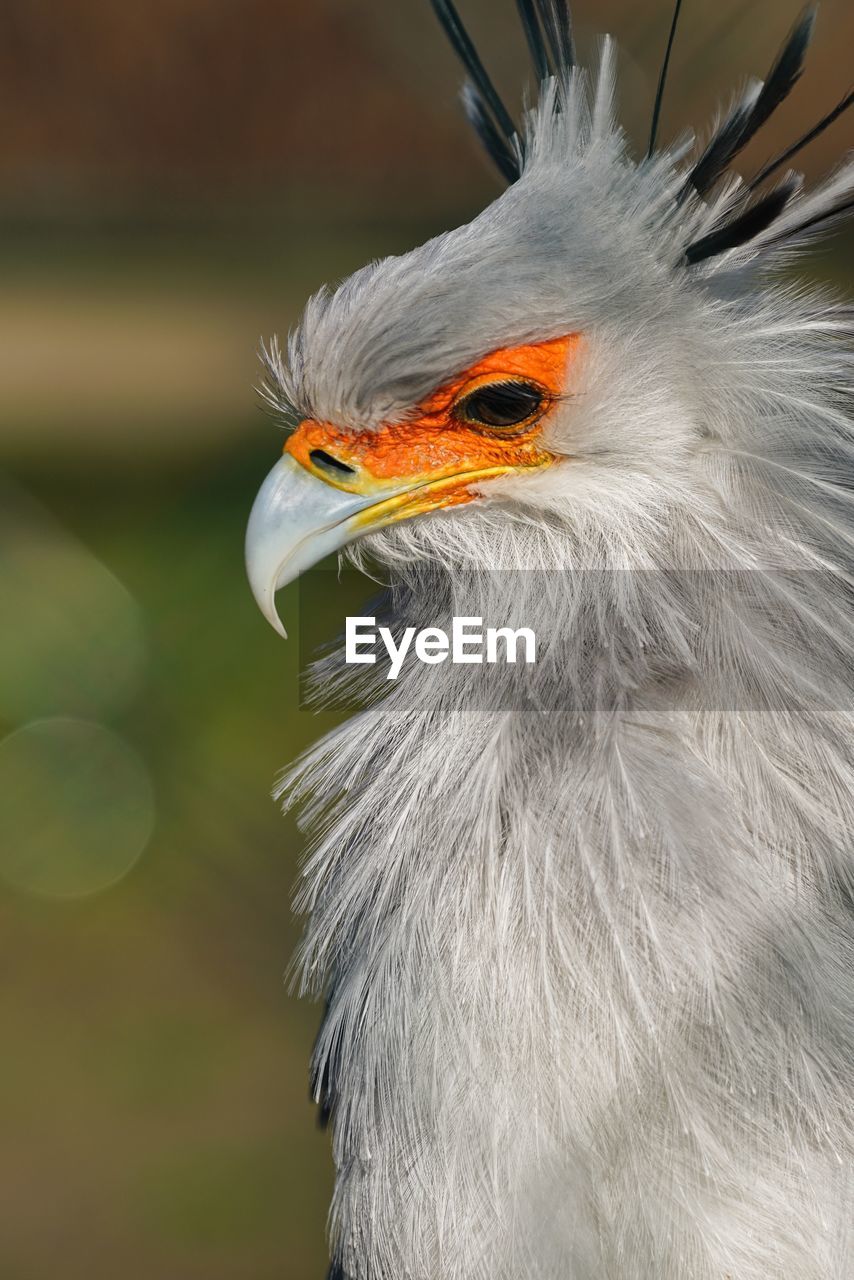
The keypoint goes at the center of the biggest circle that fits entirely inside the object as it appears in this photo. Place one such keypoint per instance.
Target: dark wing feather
(752, 222)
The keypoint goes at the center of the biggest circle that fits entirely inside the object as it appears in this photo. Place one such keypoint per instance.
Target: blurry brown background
(174, 179)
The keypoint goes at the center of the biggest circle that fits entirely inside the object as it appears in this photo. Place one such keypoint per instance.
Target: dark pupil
(502, 405)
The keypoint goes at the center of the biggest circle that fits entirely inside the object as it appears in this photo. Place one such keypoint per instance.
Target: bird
(584, 927)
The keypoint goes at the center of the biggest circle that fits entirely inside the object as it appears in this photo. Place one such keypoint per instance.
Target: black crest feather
(662, 80)
(501, 152)
(752, 112)
(548, 30)
(746, 226)
(842, 206)
(529, 14)
(547, 25)
(785, 156)
(557, 23)
(490, 117)
(721, 148)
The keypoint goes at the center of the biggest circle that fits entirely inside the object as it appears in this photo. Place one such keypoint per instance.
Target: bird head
(540, 386)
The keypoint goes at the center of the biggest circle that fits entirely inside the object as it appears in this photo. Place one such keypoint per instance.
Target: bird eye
(500, 404)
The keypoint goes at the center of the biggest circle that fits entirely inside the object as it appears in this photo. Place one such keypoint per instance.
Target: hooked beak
(298, 518)
(295, 521)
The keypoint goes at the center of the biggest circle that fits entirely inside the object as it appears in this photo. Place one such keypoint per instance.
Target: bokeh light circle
(76, 808)
(72, 640)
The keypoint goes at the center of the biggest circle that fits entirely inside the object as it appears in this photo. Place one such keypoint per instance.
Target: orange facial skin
(434, 454)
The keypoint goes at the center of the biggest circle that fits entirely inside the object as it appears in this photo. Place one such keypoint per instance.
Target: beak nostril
(325, 462)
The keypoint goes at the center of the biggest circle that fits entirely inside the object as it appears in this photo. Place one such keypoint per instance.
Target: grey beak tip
(296, 520)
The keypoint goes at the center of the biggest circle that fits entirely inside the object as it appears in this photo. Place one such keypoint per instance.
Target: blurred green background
(175, 178)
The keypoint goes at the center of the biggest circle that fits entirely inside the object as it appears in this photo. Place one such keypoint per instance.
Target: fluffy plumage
(589, 946)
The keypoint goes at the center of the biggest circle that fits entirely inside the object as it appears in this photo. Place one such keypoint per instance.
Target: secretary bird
(586, 928)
